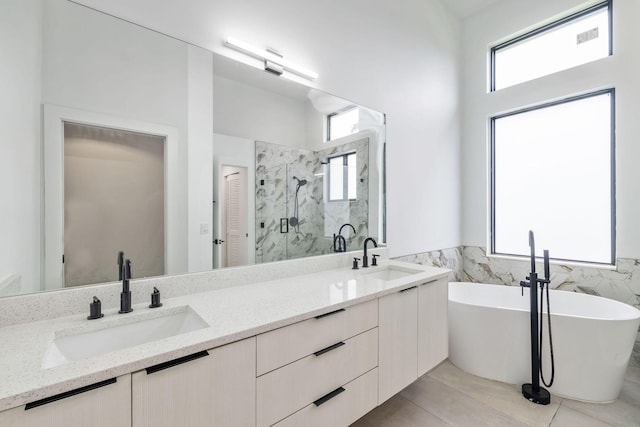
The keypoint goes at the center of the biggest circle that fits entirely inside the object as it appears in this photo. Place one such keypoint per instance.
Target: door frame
(54, 117)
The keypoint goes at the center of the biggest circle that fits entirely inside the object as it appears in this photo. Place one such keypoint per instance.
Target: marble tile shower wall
(276, 166)
(471, 264)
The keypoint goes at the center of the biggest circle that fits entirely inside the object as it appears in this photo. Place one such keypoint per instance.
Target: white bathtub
(489, 336)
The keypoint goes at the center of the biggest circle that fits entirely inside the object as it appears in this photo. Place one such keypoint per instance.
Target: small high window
(343, 123)
(574, 40)
(342, 177)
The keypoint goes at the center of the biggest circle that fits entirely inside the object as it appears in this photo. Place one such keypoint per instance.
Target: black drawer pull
(330, 313)
(69, 394)
(408, 289)
(329, 396)
(430, 281)
(328, 349)
(175, 362)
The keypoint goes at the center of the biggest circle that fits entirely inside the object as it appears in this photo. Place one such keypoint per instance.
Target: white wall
(249, 112)
(620, 71)
(20, 177)
(400, 57)
(200, 160)
(94, 63)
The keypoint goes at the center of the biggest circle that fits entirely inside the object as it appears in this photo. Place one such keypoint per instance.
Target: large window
(574, 40)
(553, 172)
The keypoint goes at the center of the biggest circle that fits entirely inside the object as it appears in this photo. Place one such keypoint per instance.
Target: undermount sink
(390, 272)
(68, 346)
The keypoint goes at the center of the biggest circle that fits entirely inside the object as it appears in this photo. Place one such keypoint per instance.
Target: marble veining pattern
(447, 258)
(276, 165)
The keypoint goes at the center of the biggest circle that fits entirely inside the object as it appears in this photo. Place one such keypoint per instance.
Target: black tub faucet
(125, 295)
(365, 259)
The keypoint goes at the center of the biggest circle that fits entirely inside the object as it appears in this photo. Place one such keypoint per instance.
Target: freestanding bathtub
(593, 337)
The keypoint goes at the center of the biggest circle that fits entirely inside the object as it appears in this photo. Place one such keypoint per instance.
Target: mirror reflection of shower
(294, 220)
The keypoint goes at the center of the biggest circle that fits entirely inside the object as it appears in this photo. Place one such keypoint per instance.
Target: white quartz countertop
(232, 313)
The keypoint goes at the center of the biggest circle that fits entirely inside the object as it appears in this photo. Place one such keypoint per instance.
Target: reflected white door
(235, 247)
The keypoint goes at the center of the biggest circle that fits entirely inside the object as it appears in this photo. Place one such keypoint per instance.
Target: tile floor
(448, 396)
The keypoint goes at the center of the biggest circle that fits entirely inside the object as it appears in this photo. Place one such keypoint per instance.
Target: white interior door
(235, 226)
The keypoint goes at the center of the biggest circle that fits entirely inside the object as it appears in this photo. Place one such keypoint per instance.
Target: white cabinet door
(398, 351)
(214, 389)
(433, 325)
(104, 404)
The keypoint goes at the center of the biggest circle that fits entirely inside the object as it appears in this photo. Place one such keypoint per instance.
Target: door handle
(218, 241)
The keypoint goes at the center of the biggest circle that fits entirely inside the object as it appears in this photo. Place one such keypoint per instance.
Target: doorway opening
(114, 200)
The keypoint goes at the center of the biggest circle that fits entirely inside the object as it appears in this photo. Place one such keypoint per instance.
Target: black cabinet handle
(329, 396)
(328, 349)
(69, 393)
(430, 281)
(175, 362)
(408, 289)
(330, 313)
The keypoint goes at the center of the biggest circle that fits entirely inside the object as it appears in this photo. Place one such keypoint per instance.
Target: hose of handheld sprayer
(553, 365)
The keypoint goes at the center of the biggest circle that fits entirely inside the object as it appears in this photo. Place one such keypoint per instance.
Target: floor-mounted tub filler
(593, 339)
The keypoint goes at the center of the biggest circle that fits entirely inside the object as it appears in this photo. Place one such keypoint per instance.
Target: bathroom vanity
(321, 348)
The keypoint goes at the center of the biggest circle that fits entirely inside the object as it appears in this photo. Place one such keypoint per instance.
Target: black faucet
(125, 295)
(365, 259)
(120, 264)
(339, 242)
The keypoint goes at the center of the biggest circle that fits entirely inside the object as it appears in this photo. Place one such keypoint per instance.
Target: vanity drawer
(290, 343)
(284, 391)
(343, 409)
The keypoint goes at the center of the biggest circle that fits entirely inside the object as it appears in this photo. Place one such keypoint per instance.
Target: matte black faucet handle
(95, 309)
(155, 298)
(374, 262)
(547, 270)
(355, 264)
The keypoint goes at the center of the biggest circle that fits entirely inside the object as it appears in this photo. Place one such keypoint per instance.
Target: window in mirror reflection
(343, 123)
(342, 177)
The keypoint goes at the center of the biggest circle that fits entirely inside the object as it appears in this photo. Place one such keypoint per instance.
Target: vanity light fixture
(273, 61)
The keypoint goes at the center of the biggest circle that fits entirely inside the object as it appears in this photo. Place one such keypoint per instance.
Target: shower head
(301, 182)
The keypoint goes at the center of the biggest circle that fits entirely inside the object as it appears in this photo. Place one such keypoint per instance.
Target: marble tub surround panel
(232, 313)
(52, 304)
(276, 165)
(447, 258)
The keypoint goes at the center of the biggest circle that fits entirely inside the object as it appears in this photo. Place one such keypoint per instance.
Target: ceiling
(465, 8)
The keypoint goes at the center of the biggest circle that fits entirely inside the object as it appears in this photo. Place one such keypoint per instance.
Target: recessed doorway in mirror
(65, 63)
(113, 181)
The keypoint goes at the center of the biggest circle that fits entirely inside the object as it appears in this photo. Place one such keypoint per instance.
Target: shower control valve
(355, 263)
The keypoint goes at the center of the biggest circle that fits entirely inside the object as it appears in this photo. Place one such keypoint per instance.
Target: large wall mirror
(118, 138)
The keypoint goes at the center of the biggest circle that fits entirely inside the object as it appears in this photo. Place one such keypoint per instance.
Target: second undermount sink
(390, 272)
(67, 346)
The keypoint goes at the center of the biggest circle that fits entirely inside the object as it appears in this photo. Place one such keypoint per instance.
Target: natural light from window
(552, 173)
(582, 40)
(344, 123)
(343, 177)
